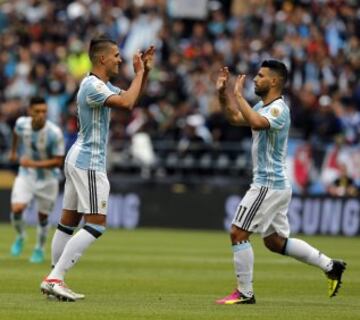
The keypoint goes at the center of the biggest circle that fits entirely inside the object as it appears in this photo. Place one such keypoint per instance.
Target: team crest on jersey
(99, 86)
(274, 112)
(103, 204)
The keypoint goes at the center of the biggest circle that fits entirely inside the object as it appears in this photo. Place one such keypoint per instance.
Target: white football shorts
(44, 192)
(86, 191)
(264, 211)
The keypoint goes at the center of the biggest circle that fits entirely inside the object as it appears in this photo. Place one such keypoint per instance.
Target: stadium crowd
(43, 51)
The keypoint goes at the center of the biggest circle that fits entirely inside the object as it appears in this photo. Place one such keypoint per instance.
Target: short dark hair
(36, 100)
(98, 45)
(278, 67)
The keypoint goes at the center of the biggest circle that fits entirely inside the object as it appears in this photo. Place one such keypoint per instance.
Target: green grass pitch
(176, 274)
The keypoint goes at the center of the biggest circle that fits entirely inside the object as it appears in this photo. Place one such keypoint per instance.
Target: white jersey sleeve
(115, 89)
(276, 114)
(20, 125)
(58, 145)
(97, 92)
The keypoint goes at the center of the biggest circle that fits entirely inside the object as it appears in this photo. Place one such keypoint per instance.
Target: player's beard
(261, 92)
(38, 124)
(114, 74)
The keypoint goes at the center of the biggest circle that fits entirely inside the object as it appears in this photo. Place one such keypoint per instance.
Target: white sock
(74, 249)
(18, 224)
(41, 233)
(302, 251)
(244, 264)
(61, 236)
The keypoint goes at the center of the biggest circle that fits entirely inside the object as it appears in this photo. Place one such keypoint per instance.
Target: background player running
(41, 145)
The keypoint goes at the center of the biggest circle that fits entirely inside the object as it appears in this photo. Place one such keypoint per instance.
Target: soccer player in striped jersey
(264, 207)
(41, 144)
(87, 187)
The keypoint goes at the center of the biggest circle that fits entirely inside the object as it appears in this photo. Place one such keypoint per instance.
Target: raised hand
(222, 79)
(138, 63)
(239, 85)
(148, 58)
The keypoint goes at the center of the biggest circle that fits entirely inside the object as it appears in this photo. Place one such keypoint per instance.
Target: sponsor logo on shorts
(103, 204)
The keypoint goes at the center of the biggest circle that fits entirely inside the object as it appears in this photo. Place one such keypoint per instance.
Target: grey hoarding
(203, 208)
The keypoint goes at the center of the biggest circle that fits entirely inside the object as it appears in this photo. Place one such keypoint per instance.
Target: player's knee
(18, 208)
(271, 245)
(95, 230)
(70, 218)
(238, 235)
(43, 218)
(275, 244)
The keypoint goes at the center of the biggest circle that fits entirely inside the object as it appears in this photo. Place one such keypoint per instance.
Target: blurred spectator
(325, 123)
(344, 185)
(44, 51)
(78, 62)
(330, 167)
(5, 138)
(194, 138)
(350, 119)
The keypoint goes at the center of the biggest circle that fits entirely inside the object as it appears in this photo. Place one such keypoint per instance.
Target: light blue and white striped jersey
(89, 150)
(269, 147)
(39, 145)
